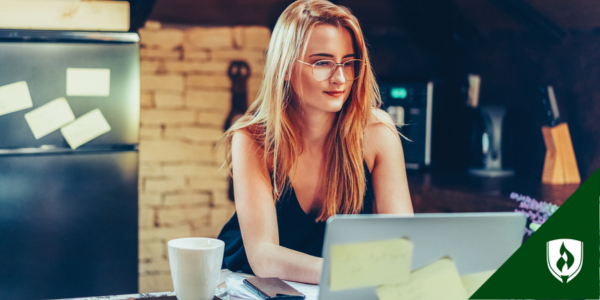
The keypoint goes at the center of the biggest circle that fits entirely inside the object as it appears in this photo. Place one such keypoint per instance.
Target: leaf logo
(564, 258)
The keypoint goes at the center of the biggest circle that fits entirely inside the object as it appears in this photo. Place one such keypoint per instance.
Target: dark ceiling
(485, 14)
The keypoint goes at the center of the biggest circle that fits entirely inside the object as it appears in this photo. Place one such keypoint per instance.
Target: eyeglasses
(324, 69)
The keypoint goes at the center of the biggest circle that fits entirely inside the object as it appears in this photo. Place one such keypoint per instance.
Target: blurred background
(514, 46)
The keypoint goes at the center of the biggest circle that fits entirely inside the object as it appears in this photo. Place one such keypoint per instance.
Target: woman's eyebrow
(330, 55)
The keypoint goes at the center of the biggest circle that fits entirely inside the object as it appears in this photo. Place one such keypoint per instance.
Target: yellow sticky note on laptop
(438, 280)
(85, 128)
(472, 282)
(370, 263)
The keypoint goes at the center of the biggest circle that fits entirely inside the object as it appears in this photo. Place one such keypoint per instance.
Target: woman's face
(327, 42)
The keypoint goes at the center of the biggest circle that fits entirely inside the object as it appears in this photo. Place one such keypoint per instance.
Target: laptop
(476, 242)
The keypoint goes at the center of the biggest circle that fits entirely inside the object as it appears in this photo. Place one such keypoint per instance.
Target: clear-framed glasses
(324, 69)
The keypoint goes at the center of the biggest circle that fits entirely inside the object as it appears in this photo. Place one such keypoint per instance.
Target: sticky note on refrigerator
(14, 97)
(88, 82)
(472, 282)
(49, 117)
(370, 263)
(85, 128)
(438, 280)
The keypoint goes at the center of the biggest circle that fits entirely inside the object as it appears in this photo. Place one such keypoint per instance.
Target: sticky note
(49, 117)
(14, 97)
(438, 280)
(370, 263)
(472, 282)
(85, 128)
(88, 82)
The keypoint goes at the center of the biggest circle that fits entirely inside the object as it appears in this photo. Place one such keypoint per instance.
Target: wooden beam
(64, 15)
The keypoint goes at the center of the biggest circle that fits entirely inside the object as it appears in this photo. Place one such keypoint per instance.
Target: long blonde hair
(273, 121)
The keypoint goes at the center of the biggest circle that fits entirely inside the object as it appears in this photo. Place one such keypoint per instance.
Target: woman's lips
(334, 93)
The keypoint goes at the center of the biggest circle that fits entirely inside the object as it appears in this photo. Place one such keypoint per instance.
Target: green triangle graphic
(526, 275)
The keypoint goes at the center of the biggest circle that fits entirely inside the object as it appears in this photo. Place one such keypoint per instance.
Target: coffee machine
(410, 106)
(488, 139)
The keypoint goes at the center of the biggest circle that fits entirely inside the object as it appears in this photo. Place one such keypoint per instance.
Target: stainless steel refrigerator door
(43, 66)
(68, 225)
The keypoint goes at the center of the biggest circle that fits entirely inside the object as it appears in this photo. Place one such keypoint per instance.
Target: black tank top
(297, 230)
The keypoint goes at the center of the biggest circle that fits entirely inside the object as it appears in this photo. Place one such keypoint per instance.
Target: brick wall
(185, 100)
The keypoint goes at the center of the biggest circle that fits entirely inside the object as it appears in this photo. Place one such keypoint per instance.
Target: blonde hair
(273, 121)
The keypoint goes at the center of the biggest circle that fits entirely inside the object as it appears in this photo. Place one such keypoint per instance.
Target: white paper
(14, 97)
(49, 117)
(85, 128)
(88, 82)
(237, 290)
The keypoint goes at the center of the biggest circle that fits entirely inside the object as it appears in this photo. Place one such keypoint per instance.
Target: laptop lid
(476, 242)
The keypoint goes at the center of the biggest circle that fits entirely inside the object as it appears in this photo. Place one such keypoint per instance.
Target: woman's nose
(338, 76)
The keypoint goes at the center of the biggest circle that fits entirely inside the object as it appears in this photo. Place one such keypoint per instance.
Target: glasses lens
(323, 69)
(351, 69)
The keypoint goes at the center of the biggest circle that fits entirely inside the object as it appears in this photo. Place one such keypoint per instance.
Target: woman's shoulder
(380, 125)
(379, 132)
(245, 144)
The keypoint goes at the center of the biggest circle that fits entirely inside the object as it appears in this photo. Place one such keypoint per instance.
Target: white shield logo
(564, 258)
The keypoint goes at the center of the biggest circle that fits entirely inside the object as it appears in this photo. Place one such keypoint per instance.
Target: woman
(313, 144)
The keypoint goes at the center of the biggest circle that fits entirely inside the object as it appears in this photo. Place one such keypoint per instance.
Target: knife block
(560, 166)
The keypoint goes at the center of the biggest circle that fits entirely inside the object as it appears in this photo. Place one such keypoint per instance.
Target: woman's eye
(321, 63)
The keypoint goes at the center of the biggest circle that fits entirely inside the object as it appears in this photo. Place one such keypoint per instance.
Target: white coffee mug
(195, 267)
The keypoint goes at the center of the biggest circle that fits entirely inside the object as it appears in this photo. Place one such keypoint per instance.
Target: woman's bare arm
(389, 172)
(258, 219)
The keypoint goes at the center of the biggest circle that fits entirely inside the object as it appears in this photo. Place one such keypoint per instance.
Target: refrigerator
(69, 217)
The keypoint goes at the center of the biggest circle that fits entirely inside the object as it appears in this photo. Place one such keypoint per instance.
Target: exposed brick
(206, 81)
(216, 68)
(165, 233)
(257, 37)
(162, 82)
(151, 169)
(238, 36)
(171, 216)
(190, 54)
(150, 66)
(208, 183)
(151, 249)
(210, 37)
(218, 156)
(188, 169)
(157, 117)
(164, 184)
(149, 198)
(213, 118)
(233, 54)
(146, 100)
(256, 69)
(168, 99)
(220, 197)
(152, 25)
(155, 265)
(253, 89)
(219, 215)
(146, 53)
(187, 199)
(155, 283)
(174, 151)
(208, 100)
(146, 216)
(207, 230)
(150, 133)
(196, 134)
(162, 39)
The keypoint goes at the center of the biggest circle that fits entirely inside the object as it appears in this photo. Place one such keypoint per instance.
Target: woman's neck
(316, 127)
